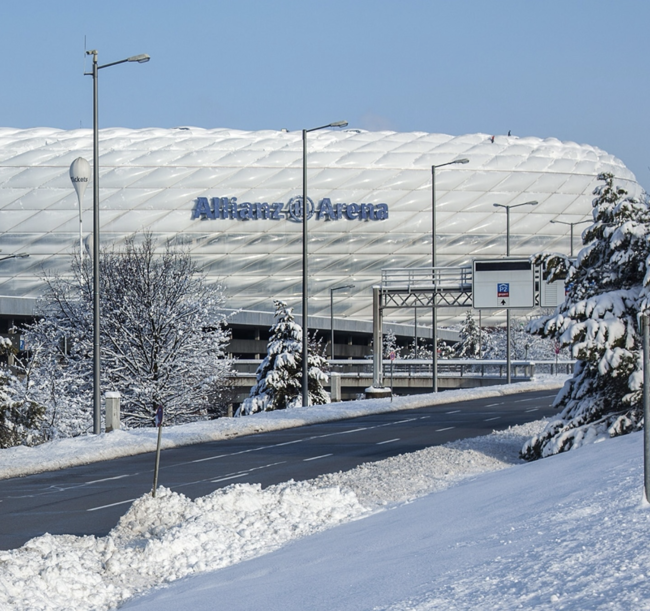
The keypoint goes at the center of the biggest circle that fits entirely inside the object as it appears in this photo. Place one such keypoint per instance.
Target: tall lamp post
(508, 348)
(572, 225)
(140, 59)
(434, 236)
(336, 288)
(305, 253)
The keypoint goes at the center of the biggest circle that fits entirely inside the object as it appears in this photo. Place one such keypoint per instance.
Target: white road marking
(387, 441)
(317, 457)
(456, 411)
(495, 418)
(210, 458)
(494, 404)
(534, 409)
(524, 400)
(106, 479)
(287, 443)
(223, 479)
(448, 428)
(111, 505)
(341, 432)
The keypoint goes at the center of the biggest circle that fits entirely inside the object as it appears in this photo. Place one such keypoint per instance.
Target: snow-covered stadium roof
(171, 181)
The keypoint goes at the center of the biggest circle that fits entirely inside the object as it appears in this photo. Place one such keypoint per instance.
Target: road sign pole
(646, 406)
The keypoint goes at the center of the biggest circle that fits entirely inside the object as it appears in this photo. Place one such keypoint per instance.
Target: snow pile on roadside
(402, 478)
(163, 539)
(63, 453)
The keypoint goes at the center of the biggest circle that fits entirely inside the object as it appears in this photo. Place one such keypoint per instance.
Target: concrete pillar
(335, 387)
(112, 411)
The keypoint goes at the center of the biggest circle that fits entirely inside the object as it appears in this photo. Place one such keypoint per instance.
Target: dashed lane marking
(111, 505)
(387, 441)
(317, 457)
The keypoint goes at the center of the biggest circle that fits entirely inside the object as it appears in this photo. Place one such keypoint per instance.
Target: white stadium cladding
(371, 190)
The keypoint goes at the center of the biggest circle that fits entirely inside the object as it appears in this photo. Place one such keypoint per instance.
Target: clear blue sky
(574, 69)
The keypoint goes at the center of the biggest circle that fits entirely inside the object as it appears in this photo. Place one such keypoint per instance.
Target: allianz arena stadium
(232, 198)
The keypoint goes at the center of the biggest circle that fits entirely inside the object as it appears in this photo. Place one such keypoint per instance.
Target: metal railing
(427, 278)
(423, 367)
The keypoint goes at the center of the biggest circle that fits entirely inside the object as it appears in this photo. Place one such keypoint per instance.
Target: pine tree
(390, 345)
(471, 341)
(607, 290)
(279, 376)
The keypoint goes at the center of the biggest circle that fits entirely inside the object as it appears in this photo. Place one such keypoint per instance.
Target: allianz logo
(228, 208)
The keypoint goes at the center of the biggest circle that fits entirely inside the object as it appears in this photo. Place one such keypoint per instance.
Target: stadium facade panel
(233, 198)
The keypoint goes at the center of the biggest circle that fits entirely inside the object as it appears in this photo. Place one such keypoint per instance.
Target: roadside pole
(158, 420)
(646, 406)
(392, 358)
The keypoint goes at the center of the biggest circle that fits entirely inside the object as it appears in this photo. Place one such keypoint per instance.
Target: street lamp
(140, 59)
(508, 348)
(571, 225)
(305, 252)
(433, 265)
(336, 288)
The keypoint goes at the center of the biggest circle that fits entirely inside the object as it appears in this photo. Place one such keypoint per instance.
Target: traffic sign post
(158, 421)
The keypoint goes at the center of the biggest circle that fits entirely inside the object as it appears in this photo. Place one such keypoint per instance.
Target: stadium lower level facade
(233, 198)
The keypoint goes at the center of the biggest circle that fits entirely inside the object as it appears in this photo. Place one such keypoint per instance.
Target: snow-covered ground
(567, 532)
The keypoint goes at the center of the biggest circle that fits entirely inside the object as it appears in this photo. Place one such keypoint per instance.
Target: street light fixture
(571, 225)
(336, 288)
(508, 347)
(305, 253)
(142, 58)
(433, 265)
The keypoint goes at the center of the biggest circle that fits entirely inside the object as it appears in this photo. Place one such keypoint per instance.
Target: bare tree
(163, 338)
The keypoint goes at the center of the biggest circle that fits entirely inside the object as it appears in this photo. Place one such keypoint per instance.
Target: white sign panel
(551, 294)
(503, 283)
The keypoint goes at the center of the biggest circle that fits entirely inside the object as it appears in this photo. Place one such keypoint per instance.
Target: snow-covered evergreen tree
(472, 340)
(19, 416)
(424, 351)
(162, 337)
(390, 345)
(607, 290)
(279, 376)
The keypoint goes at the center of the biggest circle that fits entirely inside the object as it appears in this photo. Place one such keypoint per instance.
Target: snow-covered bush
(279, 376)
(607, 290)
(19, 416)
(162, 338)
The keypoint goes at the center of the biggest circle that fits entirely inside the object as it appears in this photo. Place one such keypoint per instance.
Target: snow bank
(92, 448)
(163, 539)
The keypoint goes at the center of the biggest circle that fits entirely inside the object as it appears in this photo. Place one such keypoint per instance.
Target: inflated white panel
(150, 180)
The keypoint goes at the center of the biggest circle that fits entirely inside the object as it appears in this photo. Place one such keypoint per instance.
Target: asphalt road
(90, 499)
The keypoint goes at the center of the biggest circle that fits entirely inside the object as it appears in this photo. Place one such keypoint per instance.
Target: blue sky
(574, 69)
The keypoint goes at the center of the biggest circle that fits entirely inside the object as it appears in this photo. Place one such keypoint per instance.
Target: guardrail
(423, 367)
